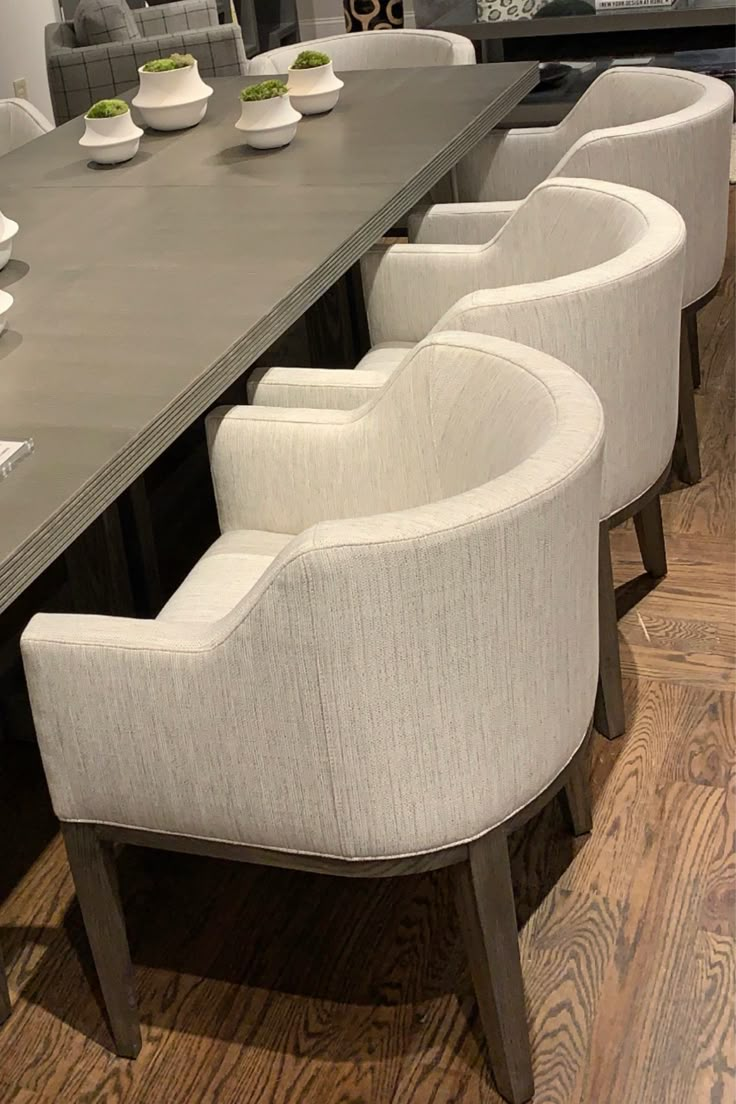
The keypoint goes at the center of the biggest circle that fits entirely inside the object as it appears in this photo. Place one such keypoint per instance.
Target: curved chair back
(407, 672)
(666, 131)
(20, 121)
(381, 49)
(589, 272)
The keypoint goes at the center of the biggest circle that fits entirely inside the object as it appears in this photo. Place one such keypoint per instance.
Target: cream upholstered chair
(667, 131)
(20, 122)
(587, 271)
(382, 49)
(387, 660)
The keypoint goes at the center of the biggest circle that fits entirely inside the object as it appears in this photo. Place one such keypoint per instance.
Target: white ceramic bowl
(6, 302)
(111, 141)
(314, 91)
(8, 230)
(172, 100)
(268, 124)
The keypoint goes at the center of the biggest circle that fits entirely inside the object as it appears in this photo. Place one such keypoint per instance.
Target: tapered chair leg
(488, 918)
(650, 535)
(609, 716)
(576, 796)
(95, 878)
(688, 449)
(691, 322)
(4, 994)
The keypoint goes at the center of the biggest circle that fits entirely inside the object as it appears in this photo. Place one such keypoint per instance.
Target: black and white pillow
(100, 21)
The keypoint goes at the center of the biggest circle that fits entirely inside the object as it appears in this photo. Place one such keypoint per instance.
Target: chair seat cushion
(384, 357)
(100, 21)
(223, 576)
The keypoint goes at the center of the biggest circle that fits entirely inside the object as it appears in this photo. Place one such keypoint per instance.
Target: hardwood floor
(259, 985)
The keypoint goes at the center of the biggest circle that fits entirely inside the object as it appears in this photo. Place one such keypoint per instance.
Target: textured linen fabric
(80, 75)
(393, 683)
(381, 49)
(315, 388)
(223, 576)
(590, 273)
(98, 21)
(331, 388)
(666, 131)
(565, 227)
(20, 122)
(459, 223)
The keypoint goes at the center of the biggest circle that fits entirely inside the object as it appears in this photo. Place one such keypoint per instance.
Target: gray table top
(462, 18)
(143, 291)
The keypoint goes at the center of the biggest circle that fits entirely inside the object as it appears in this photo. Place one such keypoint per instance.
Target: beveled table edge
(50, 540)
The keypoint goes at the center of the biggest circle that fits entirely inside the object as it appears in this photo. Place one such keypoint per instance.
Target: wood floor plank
(714, 1020)
(655, 956)
(718, 913)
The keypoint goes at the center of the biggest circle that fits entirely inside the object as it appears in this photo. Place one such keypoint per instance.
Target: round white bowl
(268, 124)
(314, 91)
(173, 100)
(111, 141)
(6, 302)
(8, 230)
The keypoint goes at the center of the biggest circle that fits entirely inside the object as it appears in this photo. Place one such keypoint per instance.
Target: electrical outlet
(20, 88)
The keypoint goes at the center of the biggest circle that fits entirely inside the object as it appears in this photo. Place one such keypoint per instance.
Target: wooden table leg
(112, 566)
(337, 327)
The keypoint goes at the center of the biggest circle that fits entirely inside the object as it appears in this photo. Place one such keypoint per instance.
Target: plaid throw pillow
(99, 21)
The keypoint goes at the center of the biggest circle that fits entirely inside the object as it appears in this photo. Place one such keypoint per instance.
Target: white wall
(21, 48)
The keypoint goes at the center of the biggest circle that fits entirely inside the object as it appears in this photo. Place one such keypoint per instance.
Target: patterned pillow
(99, 21)
(490, 11)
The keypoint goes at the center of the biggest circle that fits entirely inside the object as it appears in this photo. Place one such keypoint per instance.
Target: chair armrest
(283, 470)
(261, 65)
(407, 288)
(315, 388)
(459, 223)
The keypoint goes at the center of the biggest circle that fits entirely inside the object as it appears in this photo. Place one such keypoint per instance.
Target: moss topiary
(107, 109)
(310, 59)
(182, 60)
(165, 65)
(159, 65)
(266, 90)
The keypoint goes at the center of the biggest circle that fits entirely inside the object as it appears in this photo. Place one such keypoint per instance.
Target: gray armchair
(79, 75)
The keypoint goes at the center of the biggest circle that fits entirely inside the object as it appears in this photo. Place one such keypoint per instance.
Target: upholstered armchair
(667, 131)
(384, 49)
(589, 272)
(79, 75)
(386, 661)
(20, 122)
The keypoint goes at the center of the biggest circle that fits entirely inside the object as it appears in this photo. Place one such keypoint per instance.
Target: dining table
(142, 291)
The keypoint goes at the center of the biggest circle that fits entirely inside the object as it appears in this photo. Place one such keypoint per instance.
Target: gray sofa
(80, 75)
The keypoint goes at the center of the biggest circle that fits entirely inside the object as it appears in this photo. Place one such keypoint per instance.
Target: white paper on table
(11, 454)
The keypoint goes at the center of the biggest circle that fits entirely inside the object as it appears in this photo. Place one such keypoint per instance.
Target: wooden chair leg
(576, 796)
(687, 449)
(691, 322)
(487, 912)
(609, 716)
(4, 993)
(650, 535)
(95, 878)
